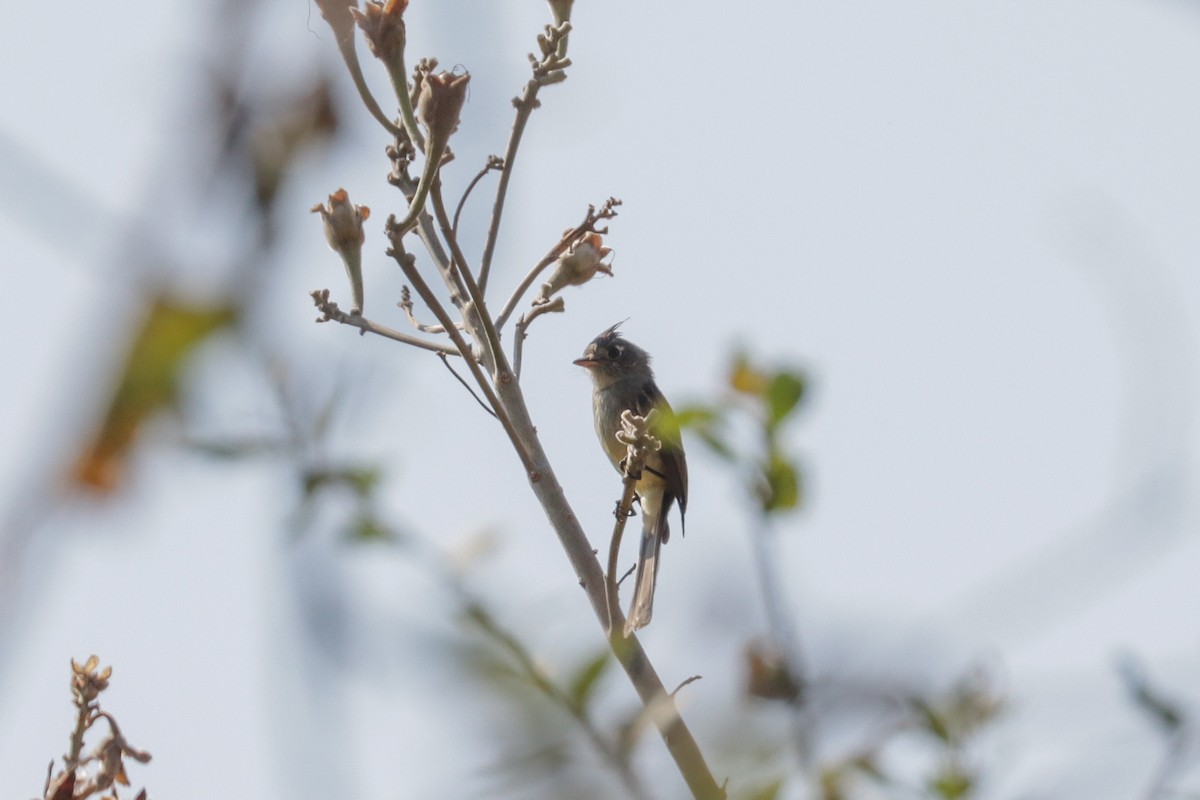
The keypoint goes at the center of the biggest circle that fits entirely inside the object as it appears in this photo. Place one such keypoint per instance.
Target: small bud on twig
(578, 265)
(383, 27)
(338, 14)
(344, 231)
(441, 101)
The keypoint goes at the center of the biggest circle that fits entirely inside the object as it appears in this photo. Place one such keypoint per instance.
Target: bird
(622, 379)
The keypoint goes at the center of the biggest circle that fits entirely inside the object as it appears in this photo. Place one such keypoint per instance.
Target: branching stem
(331, 313)
(350, 56)
(525, 105)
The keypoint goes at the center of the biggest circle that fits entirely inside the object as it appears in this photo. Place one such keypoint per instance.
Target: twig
(331, 313)
(493, 163)
(402, 258)
(607, 211)
(686, 681)
(623, 512)
(427, 231)
(350, 56)
(555, 305)
(406, 305)
(1166, 768)
(545, 72)
(490, 334)
(646, 682)
(466, 385)
(782, 631)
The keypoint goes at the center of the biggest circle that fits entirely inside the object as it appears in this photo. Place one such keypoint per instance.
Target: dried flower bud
(111, 766)
(383, 26)
(441, 101)
(583, 259)
(344, 232)
(86, 682)
(337, 14)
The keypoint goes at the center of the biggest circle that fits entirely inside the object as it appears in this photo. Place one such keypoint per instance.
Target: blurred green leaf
(361, 480)
(769, 791)
(780, 489)
(366, 527)
(695, 416)
(704, 421)
(587, 678)
(783, 395)
(745, 378)
(718, 445)
(931, 720)
(951, 783)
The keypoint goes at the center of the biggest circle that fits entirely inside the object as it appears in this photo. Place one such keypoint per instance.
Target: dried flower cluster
(102, 770)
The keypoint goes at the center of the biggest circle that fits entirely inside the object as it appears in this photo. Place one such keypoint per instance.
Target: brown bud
(86, 682)
(344, 231)
(441, 101)
(337, 14)
(383, 26)
(582, 261)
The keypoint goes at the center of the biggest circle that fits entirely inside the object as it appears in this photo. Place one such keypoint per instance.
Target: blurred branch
(610, 751)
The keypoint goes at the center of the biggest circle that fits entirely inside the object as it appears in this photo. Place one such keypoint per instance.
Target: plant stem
(628, 650)
(525, 106)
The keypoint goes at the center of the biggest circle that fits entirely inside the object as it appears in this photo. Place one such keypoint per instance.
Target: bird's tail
(654, 532)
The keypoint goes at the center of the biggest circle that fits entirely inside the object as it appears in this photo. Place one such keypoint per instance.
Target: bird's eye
(614, 351)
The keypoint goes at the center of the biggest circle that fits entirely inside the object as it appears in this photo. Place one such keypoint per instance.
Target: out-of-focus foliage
(1167, 715)
(148, 383)
(768, 398)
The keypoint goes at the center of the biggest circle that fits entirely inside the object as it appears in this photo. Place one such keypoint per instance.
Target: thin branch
(646, 682)
(555, 305)
(686, 681)
(350, 56)
(548, 70)
(430, 299)
(458, 258)
(1166, 768)
(491, 334)
(782, 632)
(623, 512)
(426, 229)
(406, 305)
(466, 385)
(607, 211)
(493, 163)
(331, 313)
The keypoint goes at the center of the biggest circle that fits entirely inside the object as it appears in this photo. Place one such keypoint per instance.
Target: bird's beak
(585, 362)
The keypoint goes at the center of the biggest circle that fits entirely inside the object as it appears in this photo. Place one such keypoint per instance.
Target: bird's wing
(674, 463)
